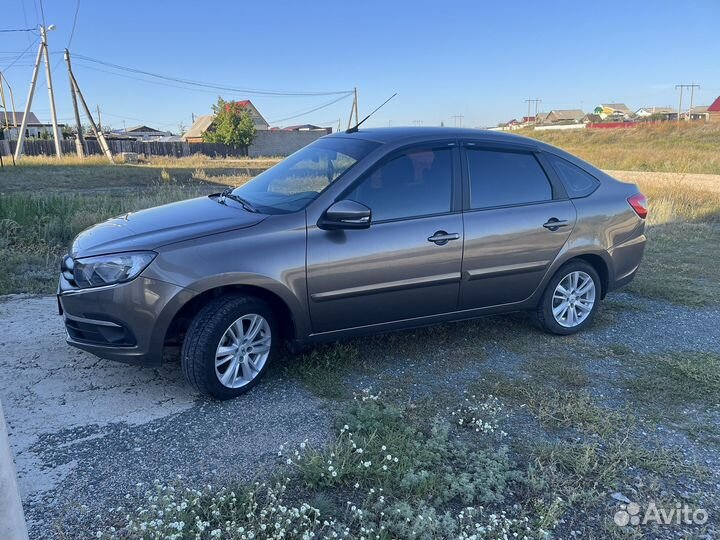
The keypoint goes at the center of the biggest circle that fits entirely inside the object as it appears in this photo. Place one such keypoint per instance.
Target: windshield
(294, 182)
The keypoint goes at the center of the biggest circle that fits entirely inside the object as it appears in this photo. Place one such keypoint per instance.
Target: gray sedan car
(357, 233)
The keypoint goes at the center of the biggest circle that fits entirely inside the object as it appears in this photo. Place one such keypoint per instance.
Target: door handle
(441, 237)
(553, 224)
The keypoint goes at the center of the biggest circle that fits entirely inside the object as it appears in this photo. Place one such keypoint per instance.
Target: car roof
(415, 134)
(400, 134)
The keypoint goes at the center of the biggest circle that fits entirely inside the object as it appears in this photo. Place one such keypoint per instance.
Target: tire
(215, 327)
(564, 324)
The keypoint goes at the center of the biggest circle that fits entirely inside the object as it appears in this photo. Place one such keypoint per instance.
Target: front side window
(297, 180)
(414, 184)
(499, 178)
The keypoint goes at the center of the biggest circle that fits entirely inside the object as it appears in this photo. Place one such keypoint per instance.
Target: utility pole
(79, 138)
(51, 94)
(693, 86)
(99, 134)
(354, 109)
(99, 118)
(28, 104)
(690, 87)
(536, 101)
(458, 120)
(357, 121)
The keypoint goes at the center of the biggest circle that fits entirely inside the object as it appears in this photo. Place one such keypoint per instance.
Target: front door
(515, 225)
(407, 263)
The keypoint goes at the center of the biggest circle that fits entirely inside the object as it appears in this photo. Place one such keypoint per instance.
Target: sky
(462, 62)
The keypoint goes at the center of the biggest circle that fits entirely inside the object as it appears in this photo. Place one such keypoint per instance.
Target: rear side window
(414, 184)
(578, 183)
(499, 178)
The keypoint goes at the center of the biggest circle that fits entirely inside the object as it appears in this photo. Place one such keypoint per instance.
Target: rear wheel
(570, 299)
(228, 346)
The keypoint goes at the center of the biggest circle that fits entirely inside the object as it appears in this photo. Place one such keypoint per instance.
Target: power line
(72, 31)
(18, 57)
(75, 17)
(210, 85)
(311, 110)
(18, 29)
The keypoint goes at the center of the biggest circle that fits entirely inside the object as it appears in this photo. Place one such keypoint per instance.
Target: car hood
(149, 229)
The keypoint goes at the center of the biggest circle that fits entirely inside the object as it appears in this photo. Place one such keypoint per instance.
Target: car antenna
(356, 126)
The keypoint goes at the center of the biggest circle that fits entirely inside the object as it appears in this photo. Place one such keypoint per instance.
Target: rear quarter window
(577, 182)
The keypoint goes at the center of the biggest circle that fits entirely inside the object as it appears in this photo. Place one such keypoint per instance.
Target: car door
(407, 263)
(516, 220)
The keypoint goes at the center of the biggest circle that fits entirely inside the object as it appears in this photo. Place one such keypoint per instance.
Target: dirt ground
(86, 431)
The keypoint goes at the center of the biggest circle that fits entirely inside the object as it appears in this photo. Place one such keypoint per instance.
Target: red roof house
(714, 111)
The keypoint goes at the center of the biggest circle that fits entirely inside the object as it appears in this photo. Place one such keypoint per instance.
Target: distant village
(605, 115)
(612, 115)
(11, 121)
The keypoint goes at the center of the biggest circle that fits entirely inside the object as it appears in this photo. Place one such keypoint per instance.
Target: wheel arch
(287, 320)
(600, 265)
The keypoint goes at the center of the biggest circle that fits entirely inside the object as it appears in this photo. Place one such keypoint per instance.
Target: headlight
(109, 269)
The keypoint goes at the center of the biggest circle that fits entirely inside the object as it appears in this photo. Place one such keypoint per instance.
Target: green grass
(681, 265)
(323, 369)
(36, 230)
(677, 379)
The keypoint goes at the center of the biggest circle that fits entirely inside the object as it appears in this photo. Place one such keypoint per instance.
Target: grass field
(667, 147)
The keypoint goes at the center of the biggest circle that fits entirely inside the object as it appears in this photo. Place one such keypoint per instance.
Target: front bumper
(126, 322)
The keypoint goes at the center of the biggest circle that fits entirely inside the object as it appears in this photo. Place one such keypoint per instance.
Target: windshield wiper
(228, 194)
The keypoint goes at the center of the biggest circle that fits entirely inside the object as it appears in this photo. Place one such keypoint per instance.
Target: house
(528, 120)
(713, 111)
(564, 116)
(613, 112)
(204, 123)
(143, 133)
(662, 113)
(699, 112)
(11, 121)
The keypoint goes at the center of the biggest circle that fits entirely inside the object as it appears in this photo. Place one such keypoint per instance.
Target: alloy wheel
(243, 351)
(573, 299)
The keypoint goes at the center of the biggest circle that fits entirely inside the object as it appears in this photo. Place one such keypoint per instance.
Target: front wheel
(228, 346)
(570, 299)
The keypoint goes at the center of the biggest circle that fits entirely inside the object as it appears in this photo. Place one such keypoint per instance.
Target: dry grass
(95, 174)
(684, 148)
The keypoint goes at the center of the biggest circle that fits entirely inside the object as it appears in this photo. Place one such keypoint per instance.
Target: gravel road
(85, 431)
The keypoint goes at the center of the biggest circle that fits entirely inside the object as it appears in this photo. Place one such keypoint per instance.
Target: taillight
(639, 204)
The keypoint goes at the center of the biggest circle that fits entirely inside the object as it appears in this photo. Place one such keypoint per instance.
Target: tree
(232, 124)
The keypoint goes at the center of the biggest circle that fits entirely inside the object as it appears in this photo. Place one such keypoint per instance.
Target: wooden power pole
(79, 139)
(98, 133)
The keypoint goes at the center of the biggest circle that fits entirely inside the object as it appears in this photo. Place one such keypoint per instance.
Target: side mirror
(346, 215)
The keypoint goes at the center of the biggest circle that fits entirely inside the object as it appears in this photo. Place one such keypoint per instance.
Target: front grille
(99, 334)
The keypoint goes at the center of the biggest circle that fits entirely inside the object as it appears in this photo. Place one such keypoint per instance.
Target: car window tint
(578, 183)
(505, 178)
(413, 184)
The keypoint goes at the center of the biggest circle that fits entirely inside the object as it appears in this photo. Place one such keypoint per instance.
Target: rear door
(407, 263)
(516, 220)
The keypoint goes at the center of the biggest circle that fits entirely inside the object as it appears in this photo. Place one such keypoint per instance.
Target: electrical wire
(75, 18)
(18, 29)
(201, 84)
(72, 32)
(310, 110)
(18, 57)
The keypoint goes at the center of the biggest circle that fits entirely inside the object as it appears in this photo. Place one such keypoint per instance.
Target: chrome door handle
(441, 237)
(553, 224)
